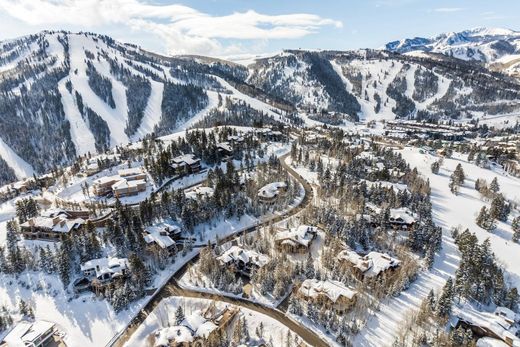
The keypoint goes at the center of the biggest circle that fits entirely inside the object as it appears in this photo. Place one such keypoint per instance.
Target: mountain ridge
(77, 93)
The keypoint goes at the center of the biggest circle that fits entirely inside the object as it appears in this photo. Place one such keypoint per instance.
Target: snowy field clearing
(449, 211)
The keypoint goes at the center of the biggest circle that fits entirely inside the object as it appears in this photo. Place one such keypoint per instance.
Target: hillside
(67, 94)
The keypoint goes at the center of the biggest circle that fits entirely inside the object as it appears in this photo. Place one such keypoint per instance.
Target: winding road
(172, 288)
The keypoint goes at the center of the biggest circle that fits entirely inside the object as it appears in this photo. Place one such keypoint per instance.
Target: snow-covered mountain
(64, 94)
(375, 85)
(499, 48)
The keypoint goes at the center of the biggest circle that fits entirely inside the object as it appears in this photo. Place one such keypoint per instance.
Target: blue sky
(236, 27)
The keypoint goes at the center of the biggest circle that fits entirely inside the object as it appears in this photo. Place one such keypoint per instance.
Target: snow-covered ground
(86, 320)
(164, 313)
(449, 211)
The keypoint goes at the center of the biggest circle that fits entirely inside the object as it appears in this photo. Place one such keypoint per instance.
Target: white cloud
(184, 29)
(448, 9)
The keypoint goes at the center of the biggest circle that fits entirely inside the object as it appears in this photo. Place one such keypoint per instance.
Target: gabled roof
(236, 253)
(106, 265)
(25, 332)
(302, 235)
(332, 289)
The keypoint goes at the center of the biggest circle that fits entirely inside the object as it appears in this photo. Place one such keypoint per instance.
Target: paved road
(171, 288)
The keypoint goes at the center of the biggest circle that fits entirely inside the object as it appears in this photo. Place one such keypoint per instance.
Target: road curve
(171, 288)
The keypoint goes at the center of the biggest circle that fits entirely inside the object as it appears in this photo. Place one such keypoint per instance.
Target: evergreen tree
(443, 308)
(179, 315)
(516, 229)
(494, 186)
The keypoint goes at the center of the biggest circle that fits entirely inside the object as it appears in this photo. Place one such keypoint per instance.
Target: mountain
(375, 85)
(495, 47)
(65, 94)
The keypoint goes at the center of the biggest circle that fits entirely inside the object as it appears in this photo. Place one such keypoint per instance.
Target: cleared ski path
(171, 288)
(383, 328)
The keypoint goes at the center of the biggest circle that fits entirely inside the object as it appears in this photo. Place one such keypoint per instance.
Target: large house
(330, 294)
(499, 327)
(269, 193)
(52, 227)
(161, 238)
(127, 182)
(186, 163)
(371, 265)
(103, 272)
(296, 240)
(37, 334)
(196, 329)
(241, 260)
(401, 218)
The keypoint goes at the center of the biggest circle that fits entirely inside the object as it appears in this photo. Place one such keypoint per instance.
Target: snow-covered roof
(189, 159)
(124, 184)
(200, 191)
(371, 264)
(332, 289)
(58, 224)
(302, 235)
(402, 215)
(105, 265)
(244, 255)
(490, 342)
(133, 171)
(271, 190)
(355, 259)
(106, 179)
(176, 333)
(25, 333)
(159, 236)
(380, 263)
(225, 146)
(486, 320)
(194, 325)
(506, 313)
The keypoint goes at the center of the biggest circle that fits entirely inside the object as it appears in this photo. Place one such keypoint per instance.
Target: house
(224, 149)
(329, 294)
(267, 134)
(269, 193)
(125, 187)
(50, 228)
(196, 329)
(401, 218)
(186, 163)
(296, 240)
(199, 192)
(127, 182)
(103, 185)
(29, 334)
(242, 260)
(159, 240)
(485, 324)
(369, 266)
(103, 272)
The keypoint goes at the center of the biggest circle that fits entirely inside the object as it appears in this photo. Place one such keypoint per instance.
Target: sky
(240, 28)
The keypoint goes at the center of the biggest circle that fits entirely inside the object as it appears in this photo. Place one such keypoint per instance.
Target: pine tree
(435, 167)
(516, 229)
(179, 316)
(443, 308)
(494, 186)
